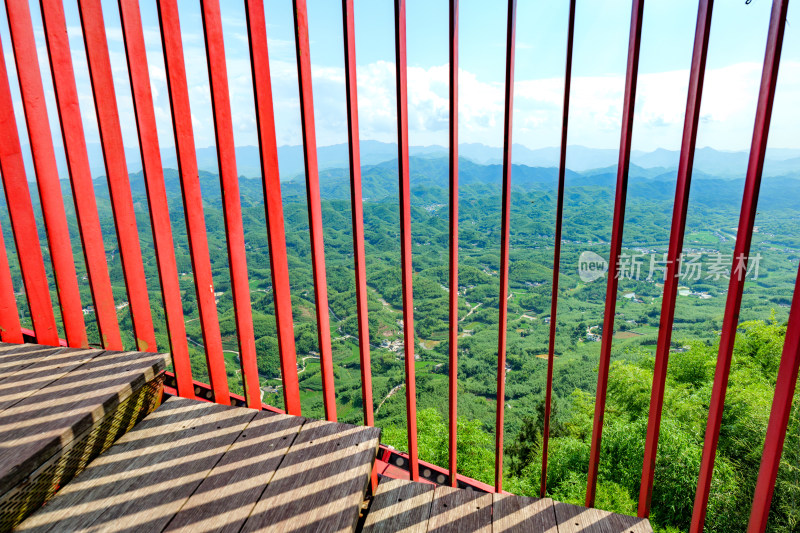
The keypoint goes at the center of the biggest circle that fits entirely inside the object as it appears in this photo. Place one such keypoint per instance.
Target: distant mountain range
(780, 161)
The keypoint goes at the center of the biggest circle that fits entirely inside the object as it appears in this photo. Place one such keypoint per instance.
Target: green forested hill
(713, 218)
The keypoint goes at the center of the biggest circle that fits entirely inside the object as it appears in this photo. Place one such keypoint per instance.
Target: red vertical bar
(357, 208)
(616, 244)
(453, 338)
(405, 232)
(44, 162)
(10, 328)
(769, 78)
(279, 266)
(231, 202)
(562, 167)
(192, 198)
(504, 245)
(778, 418)
(105, 102)
(23, 221)
(314, 206)
(671, 281)
(156, 193)
(69, 113)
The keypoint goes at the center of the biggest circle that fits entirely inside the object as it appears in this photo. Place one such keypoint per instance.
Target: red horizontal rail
(268, 148)
(562, 168)
(755, 166)
(616, 245)
(69, 113)
(47, 179)
(156, 192)
(231, 201)
(23, 221)
(192, 197)
(357, 210)
(314, 206)
(105, 102)
(204, 392)
(405, 232)
(505, 233)
(453, 311)
(671, 281)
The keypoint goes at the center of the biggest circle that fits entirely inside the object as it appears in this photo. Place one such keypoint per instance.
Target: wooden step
(197, 466)
(400, 505)
(60, 408)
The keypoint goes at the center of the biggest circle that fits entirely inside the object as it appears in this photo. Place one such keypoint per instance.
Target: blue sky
(738, 38)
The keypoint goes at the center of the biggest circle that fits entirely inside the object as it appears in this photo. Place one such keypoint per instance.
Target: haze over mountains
(716, 163)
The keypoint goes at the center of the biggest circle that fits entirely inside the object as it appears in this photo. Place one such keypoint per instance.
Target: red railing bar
(505, 233)
(136, 55)
(778, 418)
(769, 78)
(405, 232)
(453, 338)
(105, 102)
(23, 221)
(671, 280)
(314, 206)
(231, 201)
(69, 112)
(202, 389)
(616, 245)
(192, 196)
(47, 180)
(351, 89)
(10, 327)
(562, 168)
(279, 266)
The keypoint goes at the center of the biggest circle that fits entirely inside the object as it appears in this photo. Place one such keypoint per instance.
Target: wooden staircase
(195, 466)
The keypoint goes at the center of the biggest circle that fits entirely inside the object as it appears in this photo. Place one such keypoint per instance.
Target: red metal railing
(674, 253)
(192, 197)
(268, 148)
(80, 175)
(562, 167)
(505, 232)
(405, 231)
(357, 211)
(37, 285)
(453, 311)
(156, 192)
(744, 235)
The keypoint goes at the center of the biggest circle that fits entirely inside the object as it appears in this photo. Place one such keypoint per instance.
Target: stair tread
(197, 466)
(419, 507)
(49, 395)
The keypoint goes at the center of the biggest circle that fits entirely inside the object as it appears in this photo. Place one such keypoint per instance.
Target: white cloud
(727, 112)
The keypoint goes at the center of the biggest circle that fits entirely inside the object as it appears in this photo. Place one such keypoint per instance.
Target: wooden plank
(520, 513)
(400, 505)
(48, 365)
(460, 510)
(32, 430)
(144, 479)
(573, 518)
(321, 482)
(14, 357)
(225, 498)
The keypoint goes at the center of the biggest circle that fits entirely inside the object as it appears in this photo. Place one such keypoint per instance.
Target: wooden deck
(196, 466)
(400, 505)
(199, 466)
(61, 407)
